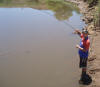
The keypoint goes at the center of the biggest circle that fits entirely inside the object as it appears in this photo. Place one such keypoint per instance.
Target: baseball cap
(85, 31)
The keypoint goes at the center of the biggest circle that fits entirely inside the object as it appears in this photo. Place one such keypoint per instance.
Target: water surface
(37, 47)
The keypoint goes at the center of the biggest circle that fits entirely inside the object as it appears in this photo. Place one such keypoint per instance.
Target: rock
(90, 72)
(95, 70)
(91, 59)
(90, 27)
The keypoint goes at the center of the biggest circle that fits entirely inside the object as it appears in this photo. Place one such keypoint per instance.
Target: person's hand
(76, 31)
(77, 46)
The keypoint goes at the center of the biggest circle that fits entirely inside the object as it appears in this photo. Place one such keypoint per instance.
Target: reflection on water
(63, 10)
(36, 47)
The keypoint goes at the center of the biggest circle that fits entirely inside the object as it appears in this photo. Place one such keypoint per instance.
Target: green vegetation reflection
(63, 10)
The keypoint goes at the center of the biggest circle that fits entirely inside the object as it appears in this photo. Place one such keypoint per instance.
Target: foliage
(62, 10)
(97, 15)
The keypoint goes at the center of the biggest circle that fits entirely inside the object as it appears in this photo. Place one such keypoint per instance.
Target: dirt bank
(94, 60)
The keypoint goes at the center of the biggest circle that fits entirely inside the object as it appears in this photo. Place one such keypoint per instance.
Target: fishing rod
(73, 28)
(66, 23)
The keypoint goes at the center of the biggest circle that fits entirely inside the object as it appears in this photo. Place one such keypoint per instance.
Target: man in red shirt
(83, 50)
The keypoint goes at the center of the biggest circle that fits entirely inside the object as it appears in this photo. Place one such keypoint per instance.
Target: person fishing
(83, 50)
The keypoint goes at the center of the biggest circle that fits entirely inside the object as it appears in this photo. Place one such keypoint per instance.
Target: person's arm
(86, 47)
(77, 32)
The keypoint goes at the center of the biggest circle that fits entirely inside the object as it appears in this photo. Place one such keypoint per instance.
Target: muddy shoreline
(93, 61)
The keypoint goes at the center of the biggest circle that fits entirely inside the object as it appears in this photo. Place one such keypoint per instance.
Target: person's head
(85, 33)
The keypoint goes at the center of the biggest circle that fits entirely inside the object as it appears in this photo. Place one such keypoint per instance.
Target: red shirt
(85, 42)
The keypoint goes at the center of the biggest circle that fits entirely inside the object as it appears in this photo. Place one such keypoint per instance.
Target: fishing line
(73, 28)
(66, 23)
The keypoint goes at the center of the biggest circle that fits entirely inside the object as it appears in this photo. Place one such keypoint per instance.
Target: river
(37, 47)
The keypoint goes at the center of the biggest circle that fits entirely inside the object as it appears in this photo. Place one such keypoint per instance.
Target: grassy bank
(96, 13)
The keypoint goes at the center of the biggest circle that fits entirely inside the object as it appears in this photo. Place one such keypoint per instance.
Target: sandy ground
(94, 57)
(94, 63)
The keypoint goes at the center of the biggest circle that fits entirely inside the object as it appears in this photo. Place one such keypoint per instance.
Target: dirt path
(94, 64)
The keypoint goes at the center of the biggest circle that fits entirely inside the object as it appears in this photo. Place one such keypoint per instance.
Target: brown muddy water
(37, 48)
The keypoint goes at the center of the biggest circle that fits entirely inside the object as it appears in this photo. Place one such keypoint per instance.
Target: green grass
(97, 15)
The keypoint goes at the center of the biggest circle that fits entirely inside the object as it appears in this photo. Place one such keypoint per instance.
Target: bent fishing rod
(66, 23)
